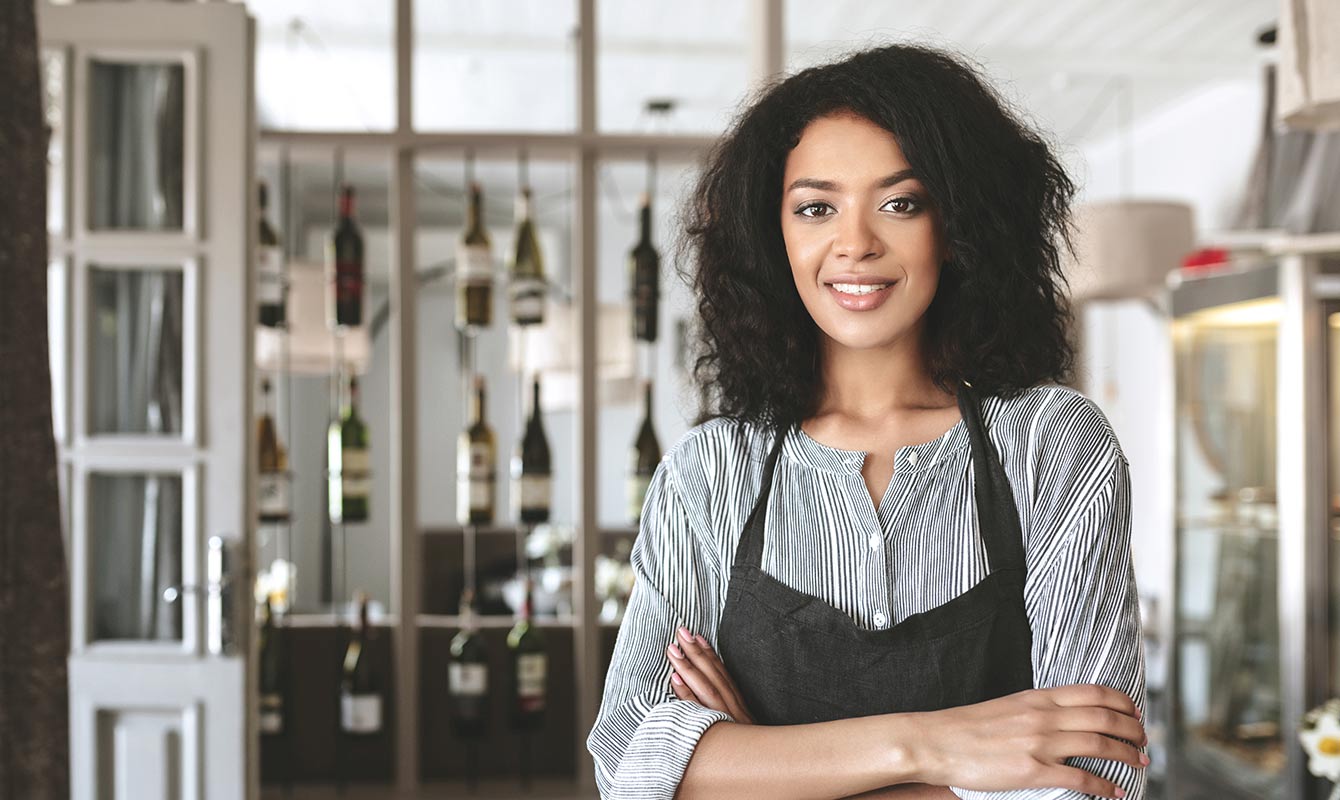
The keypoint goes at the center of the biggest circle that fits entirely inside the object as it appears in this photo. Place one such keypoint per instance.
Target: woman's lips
(861, 302)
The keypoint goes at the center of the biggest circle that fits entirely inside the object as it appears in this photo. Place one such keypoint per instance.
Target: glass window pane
(330, 563)
(325, 64)
(135, 536)
(1228, 604)
(495, 66)
(53, 110)
(136, 166)
(135, 351)
(693, 54)
(621, 186)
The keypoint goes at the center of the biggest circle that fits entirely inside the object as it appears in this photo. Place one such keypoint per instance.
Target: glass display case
(1255, 353)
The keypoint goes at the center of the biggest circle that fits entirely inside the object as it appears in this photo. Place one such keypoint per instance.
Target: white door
(152, 153)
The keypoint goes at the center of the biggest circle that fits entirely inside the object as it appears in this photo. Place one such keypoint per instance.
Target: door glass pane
(53, 110)
(134, 530)
(137, 123)
(1227, 605)
(135, 351)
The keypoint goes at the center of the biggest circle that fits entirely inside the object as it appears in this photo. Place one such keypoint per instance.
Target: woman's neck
(876, 383)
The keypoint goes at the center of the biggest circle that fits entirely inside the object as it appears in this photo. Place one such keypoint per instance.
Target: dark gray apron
(797, 659)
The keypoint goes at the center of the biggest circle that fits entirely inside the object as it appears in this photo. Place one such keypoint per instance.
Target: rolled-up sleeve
(1085, 615)
(643, 735)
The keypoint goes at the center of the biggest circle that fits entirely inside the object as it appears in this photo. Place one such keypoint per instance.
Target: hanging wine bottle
(526, 286)
(645, 455)
(476, 464)
(350, 465)
(529, 668)
(271, 287)
(361, 688)
(274, 500)
(531, 472)
(468, 675)
(645, 278)
(474, 268)
(272, 672)
(344, 266)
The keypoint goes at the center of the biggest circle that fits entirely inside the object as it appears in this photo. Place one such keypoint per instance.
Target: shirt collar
(798, 446)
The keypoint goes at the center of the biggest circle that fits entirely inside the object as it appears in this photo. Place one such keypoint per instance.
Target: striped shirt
(919, 550)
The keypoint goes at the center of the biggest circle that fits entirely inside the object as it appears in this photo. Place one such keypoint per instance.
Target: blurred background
(367, 335)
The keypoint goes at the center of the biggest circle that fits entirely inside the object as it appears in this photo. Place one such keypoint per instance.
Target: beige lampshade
(1126, 248)
(313, 349)
(1308, 75)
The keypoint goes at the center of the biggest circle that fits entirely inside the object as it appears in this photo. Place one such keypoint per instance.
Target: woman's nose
(856, 238)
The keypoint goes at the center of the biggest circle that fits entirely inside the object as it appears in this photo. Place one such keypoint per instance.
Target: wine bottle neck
(347, 204)
(645, 225)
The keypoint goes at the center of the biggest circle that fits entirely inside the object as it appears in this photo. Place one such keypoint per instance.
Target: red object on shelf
(1204, 260)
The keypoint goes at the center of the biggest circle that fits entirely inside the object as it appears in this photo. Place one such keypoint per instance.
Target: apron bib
(797, 659)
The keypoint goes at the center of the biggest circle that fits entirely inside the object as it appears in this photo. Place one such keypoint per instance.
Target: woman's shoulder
(1055, 424)
(717, 449)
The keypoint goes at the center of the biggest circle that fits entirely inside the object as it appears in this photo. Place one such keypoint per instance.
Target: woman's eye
(909, 204)
(802, 211)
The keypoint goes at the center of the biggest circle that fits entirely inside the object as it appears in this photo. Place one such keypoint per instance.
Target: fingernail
(674, 676)
(700, 640)
(1144, 760)
(685, 635)
(674, 651)
(1121, 792)
(1139, 714)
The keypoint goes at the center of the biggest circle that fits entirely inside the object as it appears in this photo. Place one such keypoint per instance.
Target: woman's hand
(701, 677)
(1022, 740)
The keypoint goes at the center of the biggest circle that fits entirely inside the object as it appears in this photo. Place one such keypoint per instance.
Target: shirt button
(880, 619)
(912, 458)
(874, 541)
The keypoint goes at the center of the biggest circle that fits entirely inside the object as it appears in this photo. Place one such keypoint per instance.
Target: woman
(891, 538)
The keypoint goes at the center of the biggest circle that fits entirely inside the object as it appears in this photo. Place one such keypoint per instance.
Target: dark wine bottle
(361, 687)
(530, 664)
(350, 465)
(271, 286)
(645, 278)
(344, 266)
(645, 455)
(272, 672)
(476, 465)
(468, 675)
(531, 471)
(474, 268)
(526, 285)
(274, 496)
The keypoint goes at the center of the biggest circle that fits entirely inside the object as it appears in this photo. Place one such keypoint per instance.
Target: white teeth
(858, 288)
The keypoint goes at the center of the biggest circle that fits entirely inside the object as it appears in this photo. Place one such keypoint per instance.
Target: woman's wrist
(903, 760)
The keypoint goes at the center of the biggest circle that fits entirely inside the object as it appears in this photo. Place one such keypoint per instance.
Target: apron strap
(997, 515)
(749, 550)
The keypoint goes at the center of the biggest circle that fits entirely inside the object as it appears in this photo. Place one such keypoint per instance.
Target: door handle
(220, 599)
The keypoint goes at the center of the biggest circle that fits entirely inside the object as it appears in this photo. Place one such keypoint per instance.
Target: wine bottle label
(637, 494)
(361, 713)
(527, 299)
(474, 264)
(534, 491)
(274, 496)
(480, 477)
(355, 479)
(269, 275)
(272, 713)
(530, 671)
(467, 679)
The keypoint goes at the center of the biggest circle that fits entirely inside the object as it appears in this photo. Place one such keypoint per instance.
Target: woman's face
(854, 219)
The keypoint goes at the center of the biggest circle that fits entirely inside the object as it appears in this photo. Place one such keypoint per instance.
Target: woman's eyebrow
(830, 186)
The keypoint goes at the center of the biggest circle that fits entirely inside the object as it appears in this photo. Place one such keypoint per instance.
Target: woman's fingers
(1105, 721)
(1095, 745)
(1092, 694)
(707, 678)
(681, 689)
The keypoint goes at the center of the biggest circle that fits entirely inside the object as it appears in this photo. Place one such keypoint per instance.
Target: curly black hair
(1000, 318)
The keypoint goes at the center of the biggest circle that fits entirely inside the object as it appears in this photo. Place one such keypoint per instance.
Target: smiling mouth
(858, 289)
